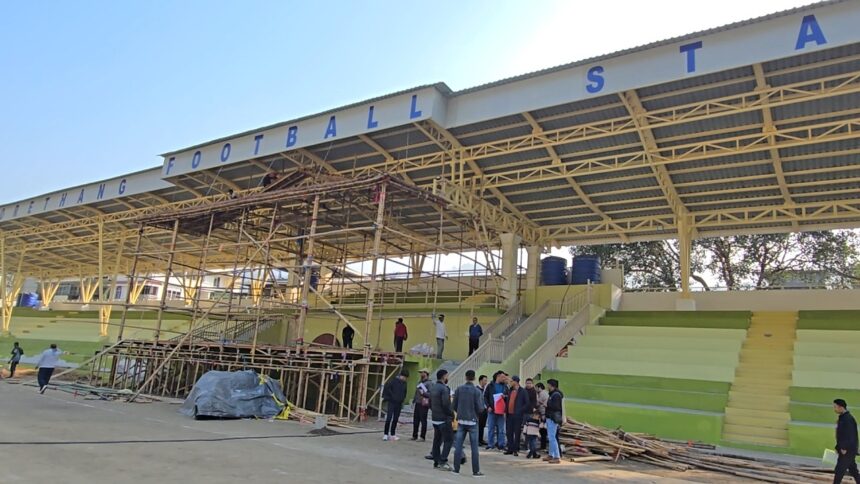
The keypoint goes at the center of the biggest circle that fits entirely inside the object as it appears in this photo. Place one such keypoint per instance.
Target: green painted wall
(681, 425)
(829, 320)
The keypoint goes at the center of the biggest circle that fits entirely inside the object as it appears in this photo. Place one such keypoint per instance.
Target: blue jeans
(552, 431)
(532, 441)
(458, 446)
(495, 430)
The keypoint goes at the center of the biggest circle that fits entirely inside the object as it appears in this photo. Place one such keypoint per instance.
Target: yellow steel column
(685, 241)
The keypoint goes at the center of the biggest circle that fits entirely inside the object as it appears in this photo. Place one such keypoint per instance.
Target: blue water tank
(553, 271)
(585, 268)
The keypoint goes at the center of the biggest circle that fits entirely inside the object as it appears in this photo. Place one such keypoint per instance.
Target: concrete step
(766, 360)
(761, 414)
(755, 440)
(764, 373)
(772, 433)
(747, 381)
(755, 401)
(754, 422)
(753, 389)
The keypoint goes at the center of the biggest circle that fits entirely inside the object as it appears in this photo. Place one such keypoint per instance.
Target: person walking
(17, 353)
(468, 404)
(494, 398)
(400, 335)
(542, 399)
(347, 335)
(49, 360)
(475, 333)
(395, 394)
(846, 443)
(482, 419)
(442, 415)
(518, 407)
(554, 419)
(441, 334)
(421, 405)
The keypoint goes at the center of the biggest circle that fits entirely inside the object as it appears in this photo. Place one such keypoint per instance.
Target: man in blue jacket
(846, 443)
(494, 398)
(518, 404)
(475, 333)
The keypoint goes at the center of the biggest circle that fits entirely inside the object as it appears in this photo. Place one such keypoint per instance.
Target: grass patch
(79, 351)
(567, 379)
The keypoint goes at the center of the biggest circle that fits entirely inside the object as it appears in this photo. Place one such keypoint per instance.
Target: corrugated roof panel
(796, 76)
(783, 115)
(579, 220)
(721, 174)
(626, 196)
(583, 105)
(352, 163)
(490, 124)
(820, 148)
(694, 138)
(562, 212)
(832, 176)
(502, 134)
(609, 143)
(718, 160)
(719, 197)
(534, 185)
(690, 82)
(610, 175)
(517, 156)
(610, 185)
(811, 57)
(549, 193)
(823, 162)
(572, 203)
(730, 204)
(397, 139)
(742, 84)
(576, 119)
(707, 124)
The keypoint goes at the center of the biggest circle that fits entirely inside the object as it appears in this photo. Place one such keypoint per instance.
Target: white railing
(510, 318)
(577, 312)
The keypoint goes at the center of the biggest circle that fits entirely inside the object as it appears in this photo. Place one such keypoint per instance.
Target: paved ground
(58, 438)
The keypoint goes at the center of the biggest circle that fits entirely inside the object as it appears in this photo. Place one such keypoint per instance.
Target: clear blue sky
(95, 89)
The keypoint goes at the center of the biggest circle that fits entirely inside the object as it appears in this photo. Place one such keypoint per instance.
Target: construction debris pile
(584, 443)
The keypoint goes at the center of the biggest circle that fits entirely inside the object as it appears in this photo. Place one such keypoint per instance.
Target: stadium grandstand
(257, 249)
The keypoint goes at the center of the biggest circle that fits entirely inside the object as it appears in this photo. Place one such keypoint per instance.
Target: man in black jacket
(846, 443)
(554, 420)
(518, 405)
(347, 335)
(395, 394)
(442, 418)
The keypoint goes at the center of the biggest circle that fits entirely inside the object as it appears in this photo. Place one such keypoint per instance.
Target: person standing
(494, 398)
(441, 334)
(518, 407)
(49, 360)
(347, 335)
(532, 391)
(846, 443)
(443, 415)
(554, 419)
(421, 405)
(400, 335)
(468, 403)
(17, 353)
(475, 333)
(532, 431)
(542, 399)
(395, 394)
(482, 419)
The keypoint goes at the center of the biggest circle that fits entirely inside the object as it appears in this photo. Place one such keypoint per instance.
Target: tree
(831, 258)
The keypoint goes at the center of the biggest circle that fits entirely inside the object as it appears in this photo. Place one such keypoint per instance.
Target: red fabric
(400, 331)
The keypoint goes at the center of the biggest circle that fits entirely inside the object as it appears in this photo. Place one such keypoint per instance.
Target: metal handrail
(522, 332)
(577, 312)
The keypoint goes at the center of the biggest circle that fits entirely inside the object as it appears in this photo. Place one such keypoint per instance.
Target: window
(150, 291)
(118, 294)
(217, 282)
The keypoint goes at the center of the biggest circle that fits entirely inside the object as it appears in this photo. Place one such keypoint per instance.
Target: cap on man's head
(515, 378)
(441, 373)
(841, 403)
(424, 370)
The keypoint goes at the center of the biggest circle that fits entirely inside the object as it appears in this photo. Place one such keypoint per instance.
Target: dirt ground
(57, 437)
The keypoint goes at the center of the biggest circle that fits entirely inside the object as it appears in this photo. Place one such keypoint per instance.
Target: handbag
(425, 401)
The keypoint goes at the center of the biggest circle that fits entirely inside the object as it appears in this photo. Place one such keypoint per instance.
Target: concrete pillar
(685, 247)
(510, 251)
(533, 267)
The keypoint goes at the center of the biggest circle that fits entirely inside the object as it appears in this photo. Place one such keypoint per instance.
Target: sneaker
(413, 439)
(385, 438)
(554, 461)
(547, 459)
(507, 452)
(422, 439)
(488, 449)
(394, 438)
(444, 467)
(478, 474)
(429, 457)
(43, 388)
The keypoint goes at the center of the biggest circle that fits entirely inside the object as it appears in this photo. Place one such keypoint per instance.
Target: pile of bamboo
(584, 442)
(302, 415)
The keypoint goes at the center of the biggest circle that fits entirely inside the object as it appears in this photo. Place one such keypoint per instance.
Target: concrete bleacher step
(754, 389)
(755, 422)
(764, 373)
(760, 414)
(755, 440)
(755, 431)
(748, 381)
(758, 401)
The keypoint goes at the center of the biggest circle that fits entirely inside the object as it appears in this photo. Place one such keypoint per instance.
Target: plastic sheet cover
(236, 394)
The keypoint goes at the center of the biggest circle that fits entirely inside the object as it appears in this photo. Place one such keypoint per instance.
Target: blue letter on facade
(101, 193)
(690, 49)
(413, 111)
(122, 186)
(47, 199)
(81, 196)
(597, 81)
(809, 31)
(225, 152)
(30, 207)
(257, 140)
(170, 164)
(332, 128)
(195, 160)
(63, 200)
(371, 123)
(291, 135)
